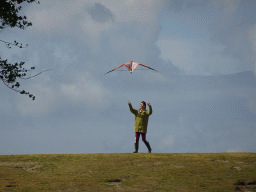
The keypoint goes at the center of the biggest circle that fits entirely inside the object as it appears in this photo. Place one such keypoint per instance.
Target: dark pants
(137, 137)
(136, 144)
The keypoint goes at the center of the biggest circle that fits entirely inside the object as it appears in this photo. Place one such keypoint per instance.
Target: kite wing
(147, 67)
(115, 69)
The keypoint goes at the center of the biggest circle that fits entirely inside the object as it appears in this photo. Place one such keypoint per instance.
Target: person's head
(143, 105)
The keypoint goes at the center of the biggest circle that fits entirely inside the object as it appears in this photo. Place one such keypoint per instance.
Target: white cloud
(45, 96)
(211, 40)
(88, 16)
(86, 89)
(196, 57)
(229, 9)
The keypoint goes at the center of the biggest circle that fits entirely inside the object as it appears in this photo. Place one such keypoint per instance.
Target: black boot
(148, 146)
(136, 146)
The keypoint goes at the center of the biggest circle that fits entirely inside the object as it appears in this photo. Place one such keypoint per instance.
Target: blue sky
(203, 96)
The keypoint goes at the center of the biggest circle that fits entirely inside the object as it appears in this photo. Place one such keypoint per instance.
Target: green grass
(129, 172)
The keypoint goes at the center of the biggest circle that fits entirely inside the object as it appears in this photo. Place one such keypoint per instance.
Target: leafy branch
(8, 44)
(9, 17)
(9, 73)
(9, 14)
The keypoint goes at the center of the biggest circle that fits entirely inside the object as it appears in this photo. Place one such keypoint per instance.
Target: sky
(203, 97)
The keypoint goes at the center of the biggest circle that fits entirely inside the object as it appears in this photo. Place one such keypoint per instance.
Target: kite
(131, 67)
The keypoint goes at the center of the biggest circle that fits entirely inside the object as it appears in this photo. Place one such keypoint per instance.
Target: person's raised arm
(149, 109)
(131, 109)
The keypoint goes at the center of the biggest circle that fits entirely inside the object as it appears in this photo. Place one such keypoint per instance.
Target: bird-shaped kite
(131, 67)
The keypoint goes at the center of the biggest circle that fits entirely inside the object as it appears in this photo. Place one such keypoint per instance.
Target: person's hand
(148, 104)
(129, 102)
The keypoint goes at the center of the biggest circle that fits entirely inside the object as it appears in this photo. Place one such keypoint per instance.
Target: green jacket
(141, 119)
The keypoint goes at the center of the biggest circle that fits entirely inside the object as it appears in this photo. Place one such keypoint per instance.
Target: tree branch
(7, 44)
(10, 87)
(36, 74)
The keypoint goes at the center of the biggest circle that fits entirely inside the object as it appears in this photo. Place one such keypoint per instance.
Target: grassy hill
(129, 172)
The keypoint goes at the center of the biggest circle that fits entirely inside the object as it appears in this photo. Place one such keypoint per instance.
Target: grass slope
(129, 172)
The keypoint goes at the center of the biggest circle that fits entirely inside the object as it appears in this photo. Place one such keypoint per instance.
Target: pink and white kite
(131, 67)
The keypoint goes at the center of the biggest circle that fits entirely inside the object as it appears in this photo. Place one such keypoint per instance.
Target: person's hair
(144, 103)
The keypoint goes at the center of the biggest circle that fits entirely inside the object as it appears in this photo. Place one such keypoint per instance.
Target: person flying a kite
(141, 123)
(131, 67)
